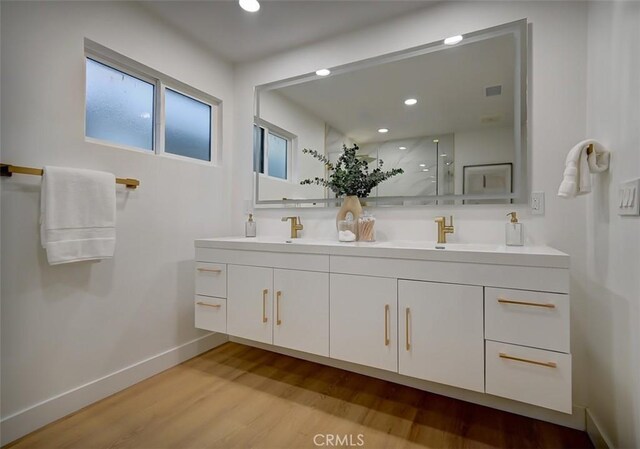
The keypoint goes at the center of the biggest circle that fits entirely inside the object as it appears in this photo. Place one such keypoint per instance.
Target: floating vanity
(486, 318)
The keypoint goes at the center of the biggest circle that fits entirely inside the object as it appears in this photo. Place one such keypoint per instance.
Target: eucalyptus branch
(350, 175)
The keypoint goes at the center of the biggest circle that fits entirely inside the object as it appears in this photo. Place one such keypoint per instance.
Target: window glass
(187, 126)
(119, 107)
(277, 156)
(258, 149)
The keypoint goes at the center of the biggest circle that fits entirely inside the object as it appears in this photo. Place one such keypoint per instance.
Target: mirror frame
(519, 181)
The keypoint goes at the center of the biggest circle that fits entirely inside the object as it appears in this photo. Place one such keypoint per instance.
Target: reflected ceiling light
(323, 72)
(423, 165)
(443, 155)
(249, 5)
(402, 148)
(383, 130)
(436, 140)
(453, 40)
(425, 169)
(410, 101)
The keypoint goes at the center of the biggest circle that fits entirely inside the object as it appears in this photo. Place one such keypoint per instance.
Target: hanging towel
(579, 166)
(77, 215)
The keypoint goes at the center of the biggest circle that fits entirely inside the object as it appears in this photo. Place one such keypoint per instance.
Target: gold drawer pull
(210, 270)
(265, 292)
(386, 325)
(278, 296)
(407, 315)
(217, 306)
(534, 362)
(525, 303)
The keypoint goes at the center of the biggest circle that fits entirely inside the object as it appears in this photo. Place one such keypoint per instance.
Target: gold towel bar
(9, 170)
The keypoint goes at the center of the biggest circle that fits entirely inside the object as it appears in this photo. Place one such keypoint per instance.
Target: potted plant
(350, 178)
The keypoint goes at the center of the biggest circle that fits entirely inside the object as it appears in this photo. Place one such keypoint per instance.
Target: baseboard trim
(575, 420)
(26, 421)
(596, 434)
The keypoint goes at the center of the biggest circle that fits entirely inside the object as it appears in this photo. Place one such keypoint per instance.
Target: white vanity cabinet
(287, 308)
(490, 319)
(363, 323)
(441, 333)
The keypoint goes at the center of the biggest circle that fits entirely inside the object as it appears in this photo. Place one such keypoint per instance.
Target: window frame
(283, 134)
(161, 82)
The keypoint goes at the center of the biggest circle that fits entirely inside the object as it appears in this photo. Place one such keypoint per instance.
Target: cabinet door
(250, 302)
(301, 315)
(363, 320)
(441, 333)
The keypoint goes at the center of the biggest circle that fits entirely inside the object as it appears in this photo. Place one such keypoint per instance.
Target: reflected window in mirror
(272, 148)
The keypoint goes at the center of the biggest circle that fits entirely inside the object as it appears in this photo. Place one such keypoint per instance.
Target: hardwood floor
(236, 396)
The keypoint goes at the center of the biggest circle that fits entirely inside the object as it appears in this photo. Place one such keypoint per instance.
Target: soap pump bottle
(514, 231)
(250, 227)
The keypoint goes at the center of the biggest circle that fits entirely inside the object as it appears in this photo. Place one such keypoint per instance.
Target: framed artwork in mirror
(487, 179)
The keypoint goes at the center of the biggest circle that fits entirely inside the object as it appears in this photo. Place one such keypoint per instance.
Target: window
(188, 126)
(272, 151)
(119, 107)
(130, 105)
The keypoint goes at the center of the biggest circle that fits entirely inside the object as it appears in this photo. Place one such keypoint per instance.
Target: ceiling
(239, 36)
(449, 85)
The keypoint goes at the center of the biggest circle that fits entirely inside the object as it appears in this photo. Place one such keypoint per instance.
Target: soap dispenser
(514, 231)
(250, 227)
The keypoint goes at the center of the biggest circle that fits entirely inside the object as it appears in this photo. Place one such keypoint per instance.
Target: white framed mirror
(454, 115)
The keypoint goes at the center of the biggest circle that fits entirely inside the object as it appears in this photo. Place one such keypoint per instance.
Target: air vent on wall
(493, 91)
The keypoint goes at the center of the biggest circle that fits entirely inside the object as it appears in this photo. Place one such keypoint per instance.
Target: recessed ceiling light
(410, 101)
(425, 169)
(323, 72)
(402, 148)
(436, 140)
(249, 5)
(423, 165)
(453, 40)
(443, 155)
(383, 130)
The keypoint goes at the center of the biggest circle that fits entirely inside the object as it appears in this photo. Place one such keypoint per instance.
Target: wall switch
(537, 203)
(628, 202)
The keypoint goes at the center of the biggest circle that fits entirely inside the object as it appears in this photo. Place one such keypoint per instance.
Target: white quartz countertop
(534, 256)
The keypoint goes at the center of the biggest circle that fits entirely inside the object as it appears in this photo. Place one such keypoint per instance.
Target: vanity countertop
(533, 256)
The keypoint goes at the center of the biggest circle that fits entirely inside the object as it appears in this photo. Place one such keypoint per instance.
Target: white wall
(67, 325)
(613, 281)
(557, 120)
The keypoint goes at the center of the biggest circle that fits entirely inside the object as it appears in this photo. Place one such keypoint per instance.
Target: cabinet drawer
(529, 375)
(536, 319)
(211, 279)
(211, 314)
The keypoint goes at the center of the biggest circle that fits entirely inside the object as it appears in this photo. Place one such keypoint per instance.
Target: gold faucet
(443, 229)
(296, 226)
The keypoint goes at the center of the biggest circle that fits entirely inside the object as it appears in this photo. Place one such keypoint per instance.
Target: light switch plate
(627, 201)
(537, 203)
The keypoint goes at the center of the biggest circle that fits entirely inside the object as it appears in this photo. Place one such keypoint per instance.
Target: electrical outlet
(537, 203)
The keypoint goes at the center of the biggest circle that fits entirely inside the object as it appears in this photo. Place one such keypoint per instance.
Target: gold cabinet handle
(534, 362)
(386, 325)
(278, 296)
(526, 303)
(265, 292)
(210, 270)
(200, 303)
(406, 326)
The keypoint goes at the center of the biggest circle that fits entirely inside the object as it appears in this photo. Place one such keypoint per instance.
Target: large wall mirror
(454, 115)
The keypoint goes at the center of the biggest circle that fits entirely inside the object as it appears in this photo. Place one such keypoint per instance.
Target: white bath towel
(579, 166)
(77, 215)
